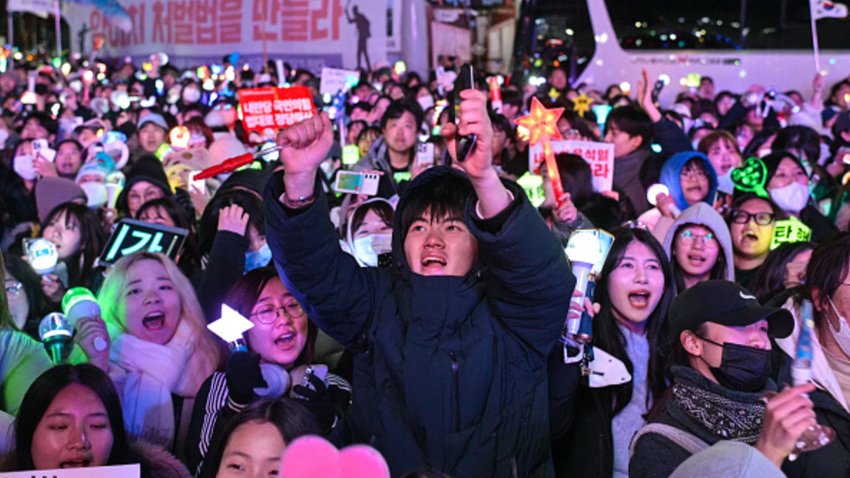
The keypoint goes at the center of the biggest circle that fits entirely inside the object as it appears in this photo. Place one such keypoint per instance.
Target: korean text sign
(600, 157)
(131, 236)
(275, 108)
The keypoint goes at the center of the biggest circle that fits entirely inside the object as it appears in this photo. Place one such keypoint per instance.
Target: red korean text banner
(600, 157)
(275, 108)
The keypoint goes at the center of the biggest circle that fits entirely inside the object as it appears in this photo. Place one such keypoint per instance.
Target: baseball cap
(154, 118)
(725, 303)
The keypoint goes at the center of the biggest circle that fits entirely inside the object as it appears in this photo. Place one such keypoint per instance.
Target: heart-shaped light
(751, 177)
(314, 457)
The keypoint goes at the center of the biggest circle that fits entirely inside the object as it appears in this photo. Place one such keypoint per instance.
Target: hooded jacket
(449, 371)
(671, 176)
(703, 214)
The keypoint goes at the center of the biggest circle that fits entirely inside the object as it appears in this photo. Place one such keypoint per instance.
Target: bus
(736, 43)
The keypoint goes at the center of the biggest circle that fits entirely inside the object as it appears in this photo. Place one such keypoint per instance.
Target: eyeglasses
(13, 289)
(761, 218)
(268, 314)
(708, 240)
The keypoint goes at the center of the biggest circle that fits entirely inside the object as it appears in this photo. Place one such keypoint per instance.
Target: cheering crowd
(428, 319)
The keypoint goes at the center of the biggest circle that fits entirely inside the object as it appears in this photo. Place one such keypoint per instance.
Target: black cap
(725, 303)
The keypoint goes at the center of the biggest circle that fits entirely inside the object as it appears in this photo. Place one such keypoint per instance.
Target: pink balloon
(315, 457)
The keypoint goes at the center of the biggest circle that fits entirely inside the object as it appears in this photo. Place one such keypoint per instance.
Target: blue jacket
(449, 372)
(671, 177)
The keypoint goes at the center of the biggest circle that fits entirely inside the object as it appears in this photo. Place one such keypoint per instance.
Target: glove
(243, 374)
(320, 403)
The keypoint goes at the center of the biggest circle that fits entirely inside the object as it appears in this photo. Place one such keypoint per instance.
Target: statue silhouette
(363, 34)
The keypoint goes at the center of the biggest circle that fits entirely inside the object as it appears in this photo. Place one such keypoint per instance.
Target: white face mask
(95, 194)
(792, 198)
(842, 335)
(25, 167)
(367, 249)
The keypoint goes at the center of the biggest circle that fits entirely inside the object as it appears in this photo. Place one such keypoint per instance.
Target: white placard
(600, 157)
(335, 80)
(123, 471)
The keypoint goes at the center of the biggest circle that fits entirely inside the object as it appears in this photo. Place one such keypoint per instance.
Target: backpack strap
(690, 442)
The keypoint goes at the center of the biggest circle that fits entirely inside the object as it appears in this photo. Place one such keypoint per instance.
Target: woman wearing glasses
(282, 337)
(751, 224)
(699, 246)
(690, 179)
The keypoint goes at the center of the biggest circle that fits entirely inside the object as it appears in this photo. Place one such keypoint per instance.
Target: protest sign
(275, 108)
(309, 34)
(335, 80)
(131, 236)
(600, 157)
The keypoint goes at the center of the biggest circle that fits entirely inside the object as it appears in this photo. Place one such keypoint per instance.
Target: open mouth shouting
(154, 321)
(286, 340)
(433, 263)
(640, 299)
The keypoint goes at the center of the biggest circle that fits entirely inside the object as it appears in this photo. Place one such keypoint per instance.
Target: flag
(37, 7)
(828, 9)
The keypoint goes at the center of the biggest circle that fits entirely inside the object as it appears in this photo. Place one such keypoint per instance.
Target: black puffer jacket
(449, 371)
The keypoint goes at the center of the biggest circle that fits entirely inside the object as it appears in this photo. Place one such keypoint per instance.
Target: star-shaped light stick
(581, 104)
(541, 124)
(230, 327)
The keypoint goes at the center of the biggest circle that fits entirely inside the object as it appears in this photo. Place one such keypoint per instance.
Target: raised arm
(336, 293)
(527, 279)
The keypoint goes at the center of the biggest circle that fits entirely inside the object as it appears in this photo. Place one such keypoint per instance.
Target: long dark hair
(45, 389)
(243, 296)
(80, 264)
(606, 333)
(290, 418)
(770, 279)
(208, 226)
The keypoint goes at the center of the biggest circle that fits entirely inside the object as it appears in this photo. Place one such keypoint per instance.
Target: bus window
(722, 25)
(552, 34)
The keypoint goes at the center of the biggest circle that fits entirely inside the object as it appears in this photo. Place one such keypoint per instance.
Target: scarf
(147, 374)
(724, 417)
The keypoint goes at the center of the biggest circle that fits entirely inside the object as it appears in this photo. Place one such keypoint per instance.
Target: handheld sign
(268, 110)
(131, 236)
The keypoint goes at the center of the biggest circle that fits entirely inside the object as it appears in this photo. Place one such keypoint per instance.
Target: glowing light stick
(653, 192)
(55, 332)
(541, 124)
(230, 328)
(587, 250)
(41, 255)
(79, 303)
(581, 104)
(751, 177)
(234, 163)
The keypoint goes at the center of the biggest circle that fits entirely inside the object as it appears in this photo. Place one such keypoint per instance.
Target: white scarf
(147, 374)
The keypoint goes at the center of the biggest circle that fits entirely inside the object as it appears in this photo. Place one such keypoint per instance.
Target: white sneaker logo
(746, 296)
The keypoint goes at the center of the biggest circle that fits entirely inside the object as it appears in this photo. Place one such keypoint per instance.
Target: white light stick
(41, 255)
(657, 189)
(230, 328)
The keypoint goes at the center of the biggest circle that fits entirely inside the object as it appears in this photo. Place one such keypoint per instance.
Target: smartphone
(464, 81)
(425, 154)
(357, 182)
(42, 148)
(656, 90)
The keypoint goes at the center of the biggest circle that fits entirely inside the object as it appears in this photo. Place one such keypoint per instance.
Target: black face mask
(742, 368)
